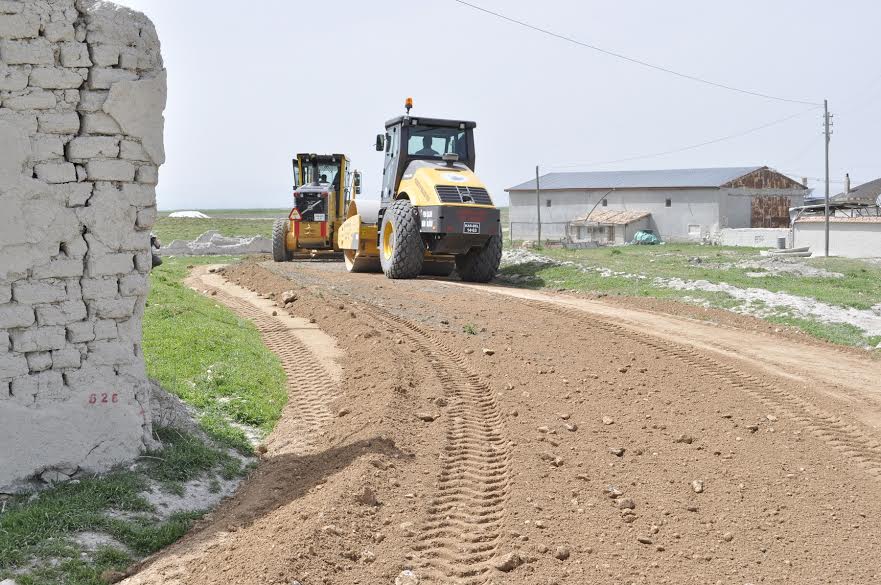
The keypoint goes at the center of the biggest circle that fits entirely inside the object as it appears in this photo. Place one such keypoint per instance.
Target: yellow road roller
(434, 214)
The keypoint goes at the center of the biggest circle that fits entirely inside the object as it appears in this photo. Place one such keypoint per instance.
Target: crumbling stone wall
(82, 91)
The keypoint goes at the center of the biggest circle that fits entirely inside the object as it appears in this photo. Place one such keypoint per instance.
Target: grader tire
(481, 264)
(401, 251)
(438, 267)
(279, 240)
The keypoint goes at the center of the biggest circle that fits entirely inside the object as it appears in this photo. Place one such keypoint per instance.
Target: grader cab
(323, 183)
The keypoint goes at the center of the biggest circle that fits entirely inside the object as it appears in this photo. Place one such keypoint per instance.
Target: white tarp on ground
(211, 243)
(188, 214)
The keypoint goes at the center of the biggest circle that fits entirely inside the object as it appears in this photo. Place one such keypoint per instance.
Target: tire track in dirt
(460, 537)
(308, 383)
(849, 439)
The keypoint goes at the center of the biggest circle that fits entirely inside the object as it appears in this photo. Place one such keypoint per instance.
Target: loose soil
(567, 440)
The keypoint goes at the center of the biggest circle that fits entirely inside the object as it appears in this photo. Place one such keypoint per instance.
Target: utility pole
(827, 130)
(538, 204)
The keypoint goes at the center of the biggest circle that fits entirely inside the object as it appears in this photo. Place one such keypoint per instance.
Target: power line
(632, 59)
(690, 147)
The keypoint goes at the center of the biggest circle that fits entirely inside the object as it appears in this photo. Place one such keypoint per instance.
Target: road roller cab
(434, 214)
(322, 185)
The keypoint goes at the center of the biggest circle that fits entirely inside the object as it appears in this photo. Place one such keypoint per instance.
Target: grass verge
(38, 530)
(631, 271)
(185, 228)
(210, 358)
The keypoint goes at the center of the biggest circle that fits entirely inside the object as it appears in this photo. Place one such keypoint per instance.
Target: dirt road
(491, 435)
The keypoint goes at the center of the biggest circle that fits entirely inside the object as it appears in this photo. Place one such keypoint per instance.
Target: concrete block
(12, 79)
(26, 121)
(44, 147)
(16, 315)
(11, 6)
(35, 52)
(105, 55)
(104, 78)
(67, 123)
(75, 55)
(53, 172)
(100, 123)
(100, 288)
(85, 147)
(134, 285)
(146, 219)
(115, 308)
(19, 26)
(57, 32)
(147, 175)
(66, 358)
(35, 100)
(12, 365)
(92, 101)
(132, 150)
(139, 195)
(137, 106)
(109, 353)
(74, 194)
(110, 264)
(106, 329)
(57, 78)
(110, 170)
(41, 291)
(59, 268)
(81, 332)
(33, 388)
(39, 361)
(5, 293)
(61, 314)
(38, 339)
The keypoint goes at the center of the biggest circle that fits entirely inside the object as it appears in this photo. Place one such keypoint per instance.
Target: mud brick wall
(82, 91)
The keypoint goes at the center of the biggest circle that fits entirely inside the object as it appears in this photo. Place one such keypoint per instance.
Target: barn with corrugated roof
(677, 204)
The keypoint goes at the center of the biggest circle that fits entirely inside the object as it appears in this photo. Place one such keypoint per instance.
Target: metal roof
(865, 193)
(658, 179)
(611, 217)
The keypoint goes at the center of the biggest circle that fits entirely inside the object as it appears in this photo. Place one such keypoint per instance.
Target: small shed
(608, 226)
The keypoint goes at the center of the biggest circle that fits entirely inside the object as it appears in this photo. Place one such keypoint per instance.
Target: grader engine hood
(429, 183)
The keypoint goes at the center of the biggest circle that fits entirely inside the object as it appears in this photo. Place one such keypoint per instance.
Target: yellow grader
(434, 214)
(323, 184)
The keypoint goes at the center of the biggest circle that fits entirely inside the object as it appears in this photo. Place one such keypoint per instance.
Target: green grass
(859, 287)
(170, 229)
(39, 527)
(210, 358)
(266, 213)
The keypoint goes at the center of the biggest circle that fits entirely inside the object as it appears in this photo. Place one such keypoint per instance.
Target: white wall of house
(692, 212)
(851, 240)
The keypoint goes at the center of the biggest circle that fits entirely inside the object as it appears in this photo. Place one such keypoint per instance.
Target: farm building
(678, 204)
(854, 223)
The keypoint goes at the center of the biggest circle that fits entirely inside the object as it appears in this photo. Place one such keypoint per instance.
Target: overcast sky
(252, 83)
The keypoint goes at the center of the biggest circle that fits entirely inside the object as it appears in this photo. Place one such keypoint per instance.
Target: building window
(668, 203)
(548, 203)
(605, 202)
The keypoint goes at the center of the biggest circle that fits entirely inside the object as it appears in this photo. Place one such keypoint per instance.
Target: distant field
(169, 229)
(236, 213)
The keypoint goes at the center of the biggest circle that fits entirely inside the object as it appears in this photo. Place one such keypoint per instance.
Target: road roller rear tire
(481, 264)
(401, 252)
